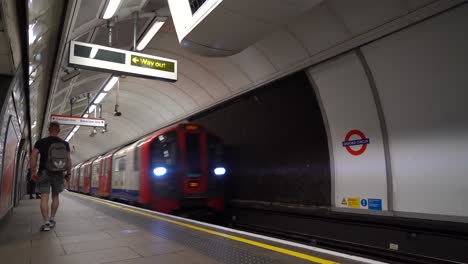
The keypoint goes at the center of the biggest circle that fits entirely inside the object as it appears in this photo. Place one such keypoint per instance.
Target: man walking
(54, 161)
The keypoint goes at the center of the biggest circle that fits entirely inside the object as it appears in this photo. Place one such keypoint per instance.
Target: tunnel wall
(276, 143)
(12, 117)
(407, 94)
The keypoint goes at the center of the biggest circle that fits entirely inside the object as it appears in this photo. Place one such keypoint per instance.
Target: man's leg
(45, 207)
(55, 205)
(57, 188)
(44, 187)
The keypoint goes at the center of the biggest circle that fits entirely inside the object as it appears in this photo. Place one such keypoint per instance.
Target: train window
(136, 157)
(104, 166)
(95, 169)
(164, 150)
(192, 146)
(119, 164)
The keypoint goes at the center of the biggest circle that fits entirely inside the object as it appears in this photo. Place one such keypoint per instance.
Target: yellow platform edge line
(216, 233)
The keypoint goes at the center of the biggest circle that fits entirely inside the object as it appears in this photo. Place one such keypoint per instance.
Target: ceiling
(332, 27)
(45, 18)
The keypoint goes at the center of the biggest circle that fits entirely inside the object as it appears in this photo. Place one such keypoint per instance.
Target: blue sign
(375, 204)
(364, 202)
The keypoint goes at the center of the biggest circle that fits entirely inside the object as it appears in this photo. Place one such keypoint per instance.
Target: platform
(91, 230)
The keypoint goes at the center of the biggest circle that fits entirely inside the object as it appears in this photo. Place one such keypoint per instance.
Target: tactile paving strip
(217, 248)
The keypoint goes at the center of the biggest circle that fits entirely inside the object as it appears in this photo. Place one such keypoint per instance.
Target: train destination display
(78, 121)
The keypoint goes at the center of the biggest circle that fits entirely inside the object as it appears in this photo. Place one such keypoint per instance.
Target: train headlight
(219, 171)
(159, 171)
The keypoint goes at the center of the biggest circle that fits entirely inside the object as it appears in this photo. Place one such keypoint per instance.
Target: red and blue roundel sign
(363, 141)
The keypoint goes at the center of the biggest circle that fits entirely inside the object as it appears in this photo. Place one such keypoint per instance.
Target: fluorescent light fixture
(75, 129)
(100, 98)
(31, 35)
(69, 137)
(91, 109)
(110, 84)
(157, 24)
(85, 115)
(110, 8)
(93, 53)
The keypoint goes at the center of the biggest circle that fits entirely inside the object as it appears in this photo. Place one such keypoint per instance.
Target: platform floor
(96, 231)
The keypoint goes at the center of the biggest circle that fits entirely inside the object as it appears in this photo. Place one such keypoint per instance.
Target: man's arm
(69, 166)
(33, 164)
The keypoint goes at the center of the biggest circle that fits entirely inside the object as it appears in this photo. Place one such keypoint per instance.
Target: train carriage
(173, 170)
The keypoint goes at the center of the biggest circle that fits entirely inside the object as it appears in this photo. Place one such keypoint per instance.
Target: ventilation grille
(195, 5)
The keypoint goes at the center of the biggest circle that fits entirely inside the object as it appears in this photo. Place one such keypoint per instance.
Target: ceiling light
(99, 98)
(157, 24)
(110, 8)
(91, 109)
(110, 84)
(75, 129)
(70, 136)
(85, 115)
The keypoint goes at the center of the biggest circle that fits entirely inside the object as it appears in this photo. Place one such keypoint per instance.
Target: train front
(187, 171)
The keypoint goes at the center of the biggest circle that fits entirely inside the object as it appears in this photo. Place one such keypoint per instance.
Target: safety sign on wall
(362, 142)
(358, 203)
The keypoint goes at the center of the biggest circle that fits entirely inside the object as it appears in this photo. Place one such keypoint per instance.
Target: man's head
(54, 128)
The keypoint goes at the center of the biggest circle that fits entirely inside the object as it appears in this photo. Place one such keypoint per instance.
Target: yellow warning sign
(354, 202)
(343, 202)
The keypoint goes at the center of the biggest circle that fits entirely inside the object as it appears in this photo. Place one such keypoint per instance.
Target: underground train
(173, 170)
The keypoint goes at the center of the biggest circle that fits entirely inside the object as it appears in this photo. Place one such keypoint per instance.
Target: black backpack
(57, 158)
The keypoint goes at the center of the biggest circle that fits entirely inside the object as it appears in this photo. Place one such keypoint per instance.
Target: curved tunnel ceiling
(147, 105)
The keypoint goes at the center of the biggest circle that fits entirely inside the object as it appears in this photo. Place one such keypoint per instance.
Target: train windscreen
(192, 146)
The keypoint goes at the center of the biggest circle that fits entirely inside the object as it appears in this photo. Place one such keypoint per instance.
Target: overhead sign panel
(78, 121)
(107, 59)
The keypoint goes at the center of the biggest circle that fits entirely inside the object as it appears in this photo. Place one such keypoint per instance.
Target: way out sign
(78, 121)
(106, 59)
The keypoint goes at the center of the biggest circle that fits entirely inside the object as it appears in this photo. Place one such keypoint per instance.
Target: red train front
(175, 170)
(184, 169)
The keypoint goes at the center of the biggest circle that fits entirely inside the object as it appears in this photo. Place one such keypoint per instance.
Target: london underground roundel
(361, 142)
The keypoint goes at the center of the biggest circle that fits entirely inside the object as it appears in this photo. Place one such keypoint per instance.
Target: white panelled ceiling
(330, 28)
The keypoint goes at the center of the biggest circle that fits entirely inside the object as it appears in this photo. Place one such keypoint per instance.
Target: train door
(96, 167)
(105, 177)
(193, 160)
(81, 178)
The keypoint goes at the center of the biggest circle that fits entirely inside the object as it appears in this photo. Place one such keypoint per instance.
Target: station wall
(421, 77)
(407, 94)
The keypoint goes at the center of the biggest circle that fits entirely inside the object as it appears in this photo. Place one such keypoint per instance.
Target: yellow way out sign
(152, 63)
(121, 62)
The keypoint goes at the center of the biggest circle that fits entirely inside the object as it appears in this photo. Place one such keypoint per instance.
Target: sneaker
(45, 227)
(52, 223)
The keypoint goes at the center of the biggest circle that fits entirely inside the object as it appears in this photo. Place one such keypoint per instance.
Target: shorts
(48, 180)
